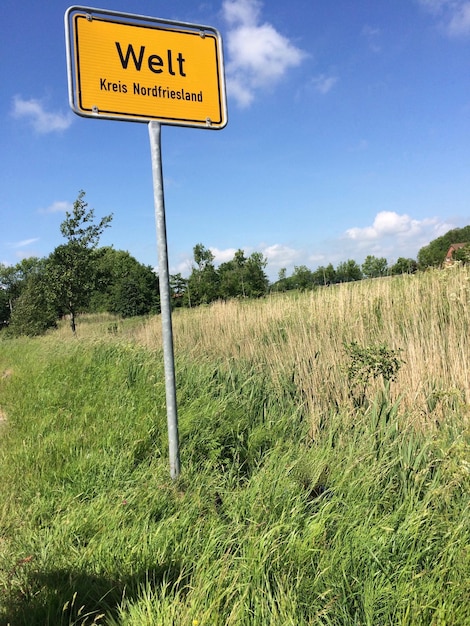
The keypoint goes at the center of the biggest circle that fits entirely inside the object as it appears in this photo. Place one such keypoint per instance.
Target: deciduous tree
(34, 311)
(325, 275)
(463, 254)
(203, 283)
(178, 286)
(404, 266)
(348, 271)
(13, 278)
(302, 278)
(123, 285)
(70, 268)
(255, 279)
(373, 266)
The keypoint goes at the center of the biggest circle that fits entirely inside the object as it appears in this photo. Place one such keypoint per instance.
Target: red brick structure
(450, 253)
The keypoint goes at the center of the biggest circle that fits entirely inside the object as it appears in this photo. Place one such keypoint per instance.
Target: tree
(229, 280)
(34, 311)
(434, 253)
(404, 266)
(123, 285)
(4, 308)
(243, 276)
(283, 282)
(10, 285)
(71, 279)
(348, 271)
(325, 275)
(203, 257)
(178, 286)
(78, 226)
(70, 267)
(255, 280)
(302, 278)
(137, 293)
(13, 279)
(240, 266)
(203, 282)
(463, 254)
(373, 267)
(232, 276)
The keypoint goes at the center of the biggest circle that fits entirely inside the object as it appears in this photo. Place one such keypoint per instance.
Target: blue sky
(348, 135)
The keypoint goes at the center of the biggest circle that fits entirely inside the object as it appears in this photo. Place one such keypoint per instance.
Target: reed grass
(299, 339)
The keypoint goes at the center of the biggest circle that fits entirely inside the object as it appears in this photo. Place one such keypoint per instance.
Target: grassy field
(325, 448)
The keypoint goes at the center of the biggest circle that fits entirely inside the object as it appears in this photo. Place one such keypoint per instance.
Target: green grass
(368, 524)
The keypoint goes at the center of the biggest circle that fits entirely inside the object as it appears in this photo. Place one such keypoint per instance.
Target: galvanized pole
(165, 301)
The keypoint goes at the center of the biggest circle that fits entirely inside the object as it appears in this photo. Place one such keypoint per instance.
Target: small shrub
(368, 363)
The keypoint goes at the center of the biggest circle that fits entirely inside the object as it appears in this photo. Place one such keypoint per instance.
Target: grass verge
(366, 524)
(311, 492)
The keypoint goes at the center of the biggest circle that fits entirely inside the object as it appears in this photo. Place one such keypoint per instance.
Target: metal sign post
(165, 299)
(143, 69)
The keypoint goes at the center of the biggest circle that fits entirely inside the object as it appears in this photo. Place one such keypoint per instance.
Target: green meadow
(325, 454)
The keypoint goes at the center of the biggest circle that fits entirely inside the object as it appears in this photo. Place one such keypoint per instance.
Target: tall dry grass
(298, 339)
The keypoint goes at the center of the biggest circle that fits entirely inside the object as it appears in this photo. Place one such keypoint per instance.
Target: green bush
(369, 363)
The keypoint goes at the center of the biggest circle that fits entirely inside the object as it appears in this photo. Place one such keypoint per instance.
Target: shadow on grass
(66, 598)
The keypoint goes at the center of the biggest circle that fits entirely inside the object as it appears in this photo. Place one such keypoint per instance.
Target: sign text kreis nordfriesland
(142, 69)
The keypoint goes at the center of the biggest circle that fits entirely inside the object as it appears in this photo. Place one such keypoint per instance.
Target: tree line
(241, 277)
(431, 255)
(347, 271)
(78, 276)
(81, 277)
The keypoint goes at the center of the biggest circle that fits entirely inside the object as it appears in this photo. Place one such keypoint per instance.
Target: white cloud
(258, 55)
(242, 11)
(183, 266)
(243, 94)
(392, 235)
(372, 36)
(24, 243)
(459, 23)
(22, 249)
(280, 255)
(370, 31)
(222, 256)
(360, 146)
(391, 224)
(324, 84)
(453, 15)
(41, 120)
(434, 6)
(386, 223)
(60, 206)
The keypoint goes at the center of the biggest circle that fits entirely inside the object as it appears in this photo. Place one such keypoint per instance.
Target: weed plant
(362, 520)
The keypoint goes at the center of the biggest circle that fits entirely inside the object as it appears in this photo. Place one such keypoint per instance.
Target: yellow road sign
(135, 68)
